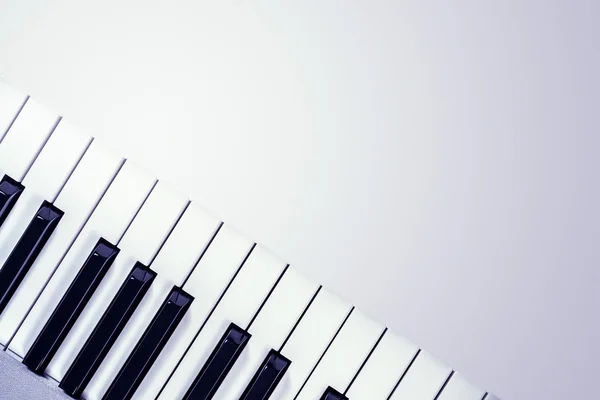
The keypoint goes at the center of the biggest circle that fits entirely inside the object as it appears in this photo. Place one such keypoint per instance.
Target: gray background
(434, 163)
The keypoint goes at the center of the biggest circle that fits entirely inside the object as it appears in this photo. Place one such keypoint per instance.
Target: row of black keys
(116, 317)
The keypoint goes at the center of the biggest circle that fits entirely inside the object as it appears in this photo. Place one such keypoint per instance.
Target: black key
(26, 251)
(218, 364)
(150, 345)
(70, 307)
(107, 330)
(267, 377)
(332, 394)
(10, 191)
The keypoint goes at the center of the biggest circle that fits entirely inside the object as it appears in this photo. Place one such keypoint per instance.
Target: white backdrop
(436, 164)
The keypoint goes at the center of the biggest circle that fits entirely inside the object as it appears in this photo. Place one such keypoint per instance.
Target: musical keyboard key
(332, 394)
(423, 380)
(150, 345)
(70, 307)
(184, 247)
(25, 138)
(207, 282)
(343, 359)
(140, 243)
(26, 251)
(269, 329)
(10, 191)
(380, 374)
(458, 388)
(45, 178)
(79, 196)
(239, 304)
(43, 182)
(267, 377)
(108, 329)
(309, 340)
(109, 219)
(219, 363)
(11, 102)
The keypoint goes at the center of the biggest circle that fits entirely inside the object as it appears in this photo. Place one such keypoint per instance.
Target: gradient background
(434, 163)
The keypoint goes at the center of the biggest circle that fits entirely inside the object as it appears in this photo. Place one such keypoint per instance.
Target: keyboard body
(115, 285)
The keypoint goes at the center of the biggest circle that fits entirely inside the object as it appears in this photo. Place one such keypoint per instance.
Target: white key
(173, 264)
(309, 340)
(343, 359)
(423, 380)
(206, 283)
(269, 330)
(381, 372)
(25, 138)
(78, 198)
(458, 388)
(239, 305)
(109, 220)
(11, 101)
(43, 182)
(142, 240)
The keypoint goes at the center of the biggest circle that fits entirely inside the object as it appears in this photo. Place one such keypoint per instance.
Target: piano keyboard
(116, 286)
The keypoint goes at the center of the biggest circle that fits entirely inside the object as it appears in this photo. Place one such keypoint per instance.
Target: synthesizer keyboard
(113, 285)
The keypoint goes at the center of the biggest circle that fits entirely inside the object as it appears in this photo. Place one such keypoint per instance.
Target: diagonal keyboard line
(404, 373)
(300, 319)
(267, 298)
(365, 361)
(324, 352)
(202, 253)
(136, 213)
(40, 149)
(169, 234)
(3, 134)
(66, 252)
(444, 385)
(87, 147)
(206, 320)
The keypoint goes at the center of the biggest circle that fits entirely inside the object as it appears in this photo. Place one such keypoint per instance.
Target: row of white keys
(272, 325)
(11, 102)
(343, 359)
(41, 150)
(142, 239)
(206, 283)
(78, 198)
(109, 219)
(25, 138)
(458, 388)
(423, 380)
(383, 369)
(44, 180)
(309, 340)
(173, 264)
(240, 303)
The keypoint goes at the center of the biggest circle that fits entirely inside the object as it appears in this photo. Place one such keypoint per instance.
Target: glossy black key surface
(10, 191)
(332, 394)
(150, 345)
(218, 365)
(27, 249)
(107, 330)
(71, 306)
(267, 377)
